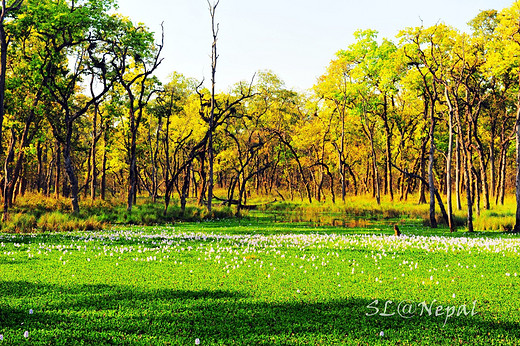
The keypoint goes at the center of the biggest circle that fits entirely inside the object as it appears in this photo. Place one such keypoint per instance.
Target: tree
(335, 88)
(506, 59)
(6, 12)
(72, 37)
(211, 120)
(249, 138)
(426, 51)
(136, 58)
(26, 109)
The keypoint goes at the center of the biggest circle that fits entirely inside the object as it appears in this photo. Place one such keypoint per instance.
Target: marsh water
(332, 219)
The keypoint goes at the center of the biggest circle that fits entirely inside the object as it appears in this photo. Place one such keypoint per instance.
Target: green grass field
(252, 281)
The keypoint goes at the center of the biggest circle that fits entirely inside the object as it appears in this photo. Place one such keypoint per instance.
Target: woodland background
(432, 114)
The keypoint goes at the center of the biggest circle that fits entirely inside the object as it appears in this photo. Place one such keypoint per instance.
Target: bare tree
(214, 58)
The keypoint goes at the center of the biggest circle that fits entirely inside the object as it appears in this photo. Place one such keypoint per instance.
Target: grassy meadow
(263, 280)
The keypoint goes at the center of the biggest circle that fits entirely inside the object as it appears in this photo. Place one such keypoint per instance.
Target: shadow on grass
(104, 314)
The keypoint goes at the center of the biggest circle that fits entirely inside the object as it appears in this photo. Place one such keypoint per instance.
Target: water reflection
(325, 219)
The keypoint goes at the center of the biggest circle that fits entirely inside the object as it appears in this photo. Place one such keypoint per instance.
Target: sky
(296, 39)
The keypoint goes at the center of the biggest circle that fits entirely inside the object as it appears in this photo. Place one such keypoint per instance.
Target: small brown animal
(397, 232)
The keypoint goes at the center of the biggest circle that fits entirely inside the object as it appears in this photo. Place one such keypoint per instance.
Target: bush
(59, 222)
(218, 213)
(39, 203)
(54, 222)
(90, 224)
(19, 223)
(494, 223)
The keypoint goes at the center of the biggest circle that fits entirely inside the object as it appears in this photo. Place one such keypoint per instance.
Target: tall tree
(137, 58)
(427, 51)
(7, 11)
(335, 88)
(73, 37)
(211, 120)
(506, 59)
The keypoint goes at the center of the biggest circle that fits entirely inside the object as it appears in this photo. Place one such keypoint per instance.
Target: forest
(432, 114)
(378, 207)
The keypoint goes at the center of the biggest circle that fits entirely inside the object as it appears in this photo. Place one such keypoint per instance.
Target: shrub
(36, 202)
(218, 213)
(89, 224)
(54, 222)
(494, 223)
(19, 223)
(59, 222)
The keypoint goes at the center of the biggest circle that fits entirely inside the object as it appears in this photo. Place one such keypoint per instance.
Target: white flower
(197, 341)
(26, 334)
(1, 337)
(381, 333)
(31, 311)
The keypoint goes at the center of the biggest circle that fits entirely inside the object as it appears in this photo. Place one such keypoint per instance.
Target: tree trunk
(104, 168)
(50, 174)
(458, 172)
(3, 70)
(210, 172)
(492, 164)
(433, 221)
(341, 160)
(422, 192)
(69, 169)
(477, 190)
(214, 58)
(203, 177)
(516, 229)
(422, 185)
(502, 176)
(39, 172)
(231, 190)
(185, 188)
(448, 161)
(87, 175)
(333, 195)
(388, 178)
(8, 169)
(375, 172)
(353, 176)
(95, 137)
(132, 174)
(58, 171)
(468, 179)
(483, 172)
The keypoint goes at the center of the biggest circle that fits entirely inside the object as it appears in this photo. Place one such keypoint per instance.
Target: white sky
(296, 39)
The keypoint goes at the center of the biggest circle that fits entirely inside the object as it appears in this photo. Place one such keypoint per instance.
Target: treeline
(434, 112)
